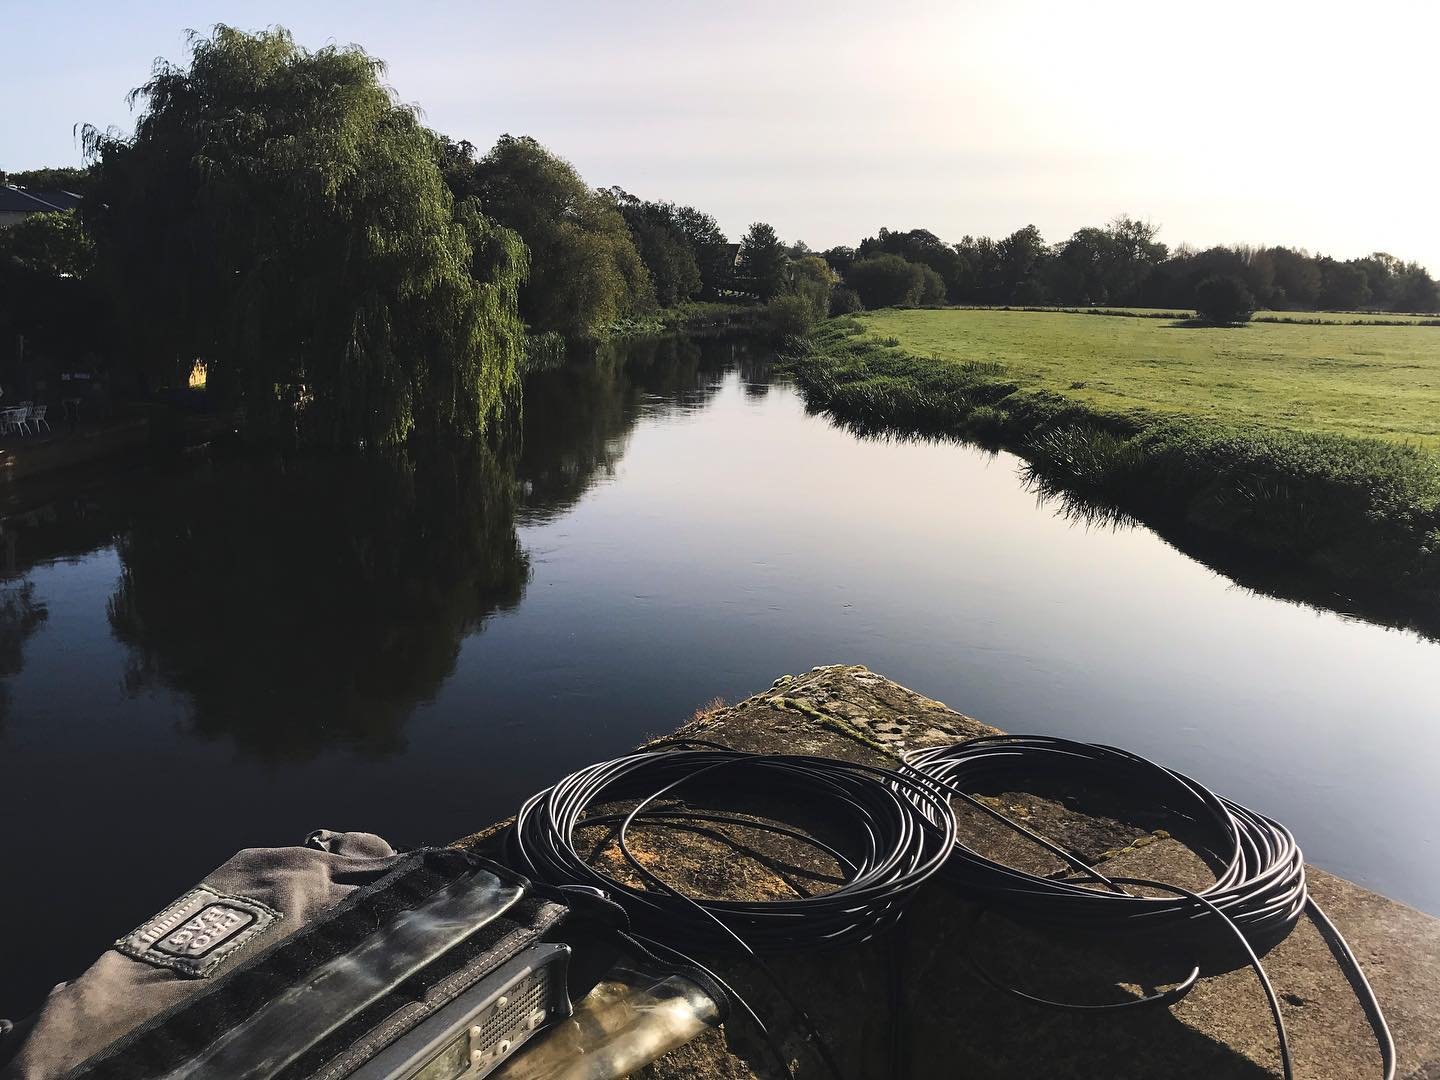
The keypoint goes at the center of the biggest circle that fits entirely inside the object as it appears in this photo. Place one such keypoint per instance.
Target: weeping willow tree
(279, 215)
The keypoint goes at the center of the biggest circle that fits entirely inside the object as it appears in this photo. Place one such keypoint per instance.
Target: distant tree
(762, 263)
(811, 278)
(1021, 258)
(1297, 279)
(713, 254)
(981, 282)
(839, 259)
(1134, 254)
(662, 244)
(277, 213)
(1224, 300)
(1415, 290)
(1382, 271)
(54, 243)
(1346, 286)
(76, 181)
(932, 287)
(887, 281)
(923, 247)
(1079, 272)
(584, 269)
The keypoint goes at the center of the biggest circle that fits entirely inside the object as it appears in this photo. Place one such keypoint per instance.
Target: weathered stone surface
(910, 1005)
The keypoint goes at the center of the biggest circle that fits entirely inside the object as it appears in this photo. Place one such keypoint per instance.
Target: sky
(1305, 124)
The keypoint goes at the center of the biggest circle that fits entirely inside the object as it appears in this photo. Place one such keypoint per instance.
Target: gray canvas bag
(223, 961)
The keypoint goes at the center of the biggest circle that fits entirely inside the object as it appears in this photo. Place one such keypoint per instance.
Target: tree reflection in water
(21, 614)
(578, 417)
(315, 602)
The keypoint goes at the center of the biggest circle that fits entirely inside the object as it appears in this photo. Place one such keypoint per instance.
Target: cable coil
(1259, 892)
(902, 830)
(1260, 886)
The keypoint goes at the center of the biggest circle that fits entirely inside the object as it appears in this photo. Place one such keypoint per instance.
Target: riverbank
(717, 318)
(1360, 513)
(911, 994)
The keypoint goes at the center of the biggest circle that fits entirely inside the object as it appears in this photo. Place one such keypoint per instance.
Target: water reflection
(312, 603)
(1271, 575)
(578, 418)
(21, 614)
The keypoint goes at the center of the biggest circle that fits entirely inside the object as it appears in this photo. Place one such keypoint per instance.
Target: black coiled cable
(900, 827)
(1258, 894)
(902, 831)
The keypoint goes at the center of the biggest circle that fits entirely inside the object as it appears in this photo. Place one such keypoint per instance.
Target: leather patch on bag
(197, 932)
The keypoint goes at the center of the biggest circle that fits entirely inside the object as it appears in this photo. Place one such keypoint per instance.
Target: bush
(845, 301)
(887, 281)
(932, 289)
(1223, 300)
(791, 315)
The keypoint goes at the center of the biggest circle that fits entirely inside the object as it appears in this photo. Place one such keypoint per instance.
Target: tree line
(351, 277)
(1118, 264)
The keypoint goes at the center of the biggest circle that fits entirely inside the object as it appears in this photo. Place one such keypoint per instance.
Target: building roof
(15, 199)
(61, 200)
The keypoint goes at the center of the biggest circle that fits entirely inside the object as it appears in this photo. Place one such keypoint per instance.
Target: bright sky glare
(1308, 124)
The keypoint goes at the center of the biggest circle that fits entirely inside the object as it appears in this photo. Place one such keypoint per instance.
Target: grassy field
(1376, 381)
(1362, 318)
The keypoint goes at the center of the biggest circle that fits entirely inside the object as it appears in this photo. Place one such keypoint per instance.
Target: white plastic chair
(37, 416)
(21, 420)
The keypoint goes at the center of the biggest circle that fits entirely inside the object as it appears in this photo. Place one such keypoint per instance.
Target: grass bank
(717, 318)
(1312, 445)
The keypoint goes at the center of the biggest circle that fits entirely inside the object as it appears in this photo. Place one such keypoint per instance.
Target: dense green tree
(663, 246)
(713, 252)
(1346, 286)
(804, 298)
(1020, 259)
(932, 286)
(839, 259)
(53, 313)
(1297, 279)
(924, 247)
(277, 213)
(1224, 300)
(810, 276)
(762, 263)
(1109, 265)
(978, 257)
(887, 281)
(1415, 290)
(584, 270)
(54, 244)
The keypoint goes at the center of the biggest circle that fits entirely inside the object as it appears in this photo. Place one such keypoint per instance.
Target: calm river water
(230, 654)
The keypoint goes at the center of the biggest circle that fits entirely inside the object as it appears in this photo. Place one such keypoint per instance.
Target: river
(230, 653)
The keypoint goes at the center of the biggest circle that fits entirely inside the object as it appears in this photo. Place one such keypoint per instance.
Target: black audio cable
(899, 829)
(1258, 895)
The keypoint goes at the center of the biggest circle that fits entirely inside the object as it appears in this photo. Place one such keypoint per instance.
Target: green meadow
(1376, 381)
